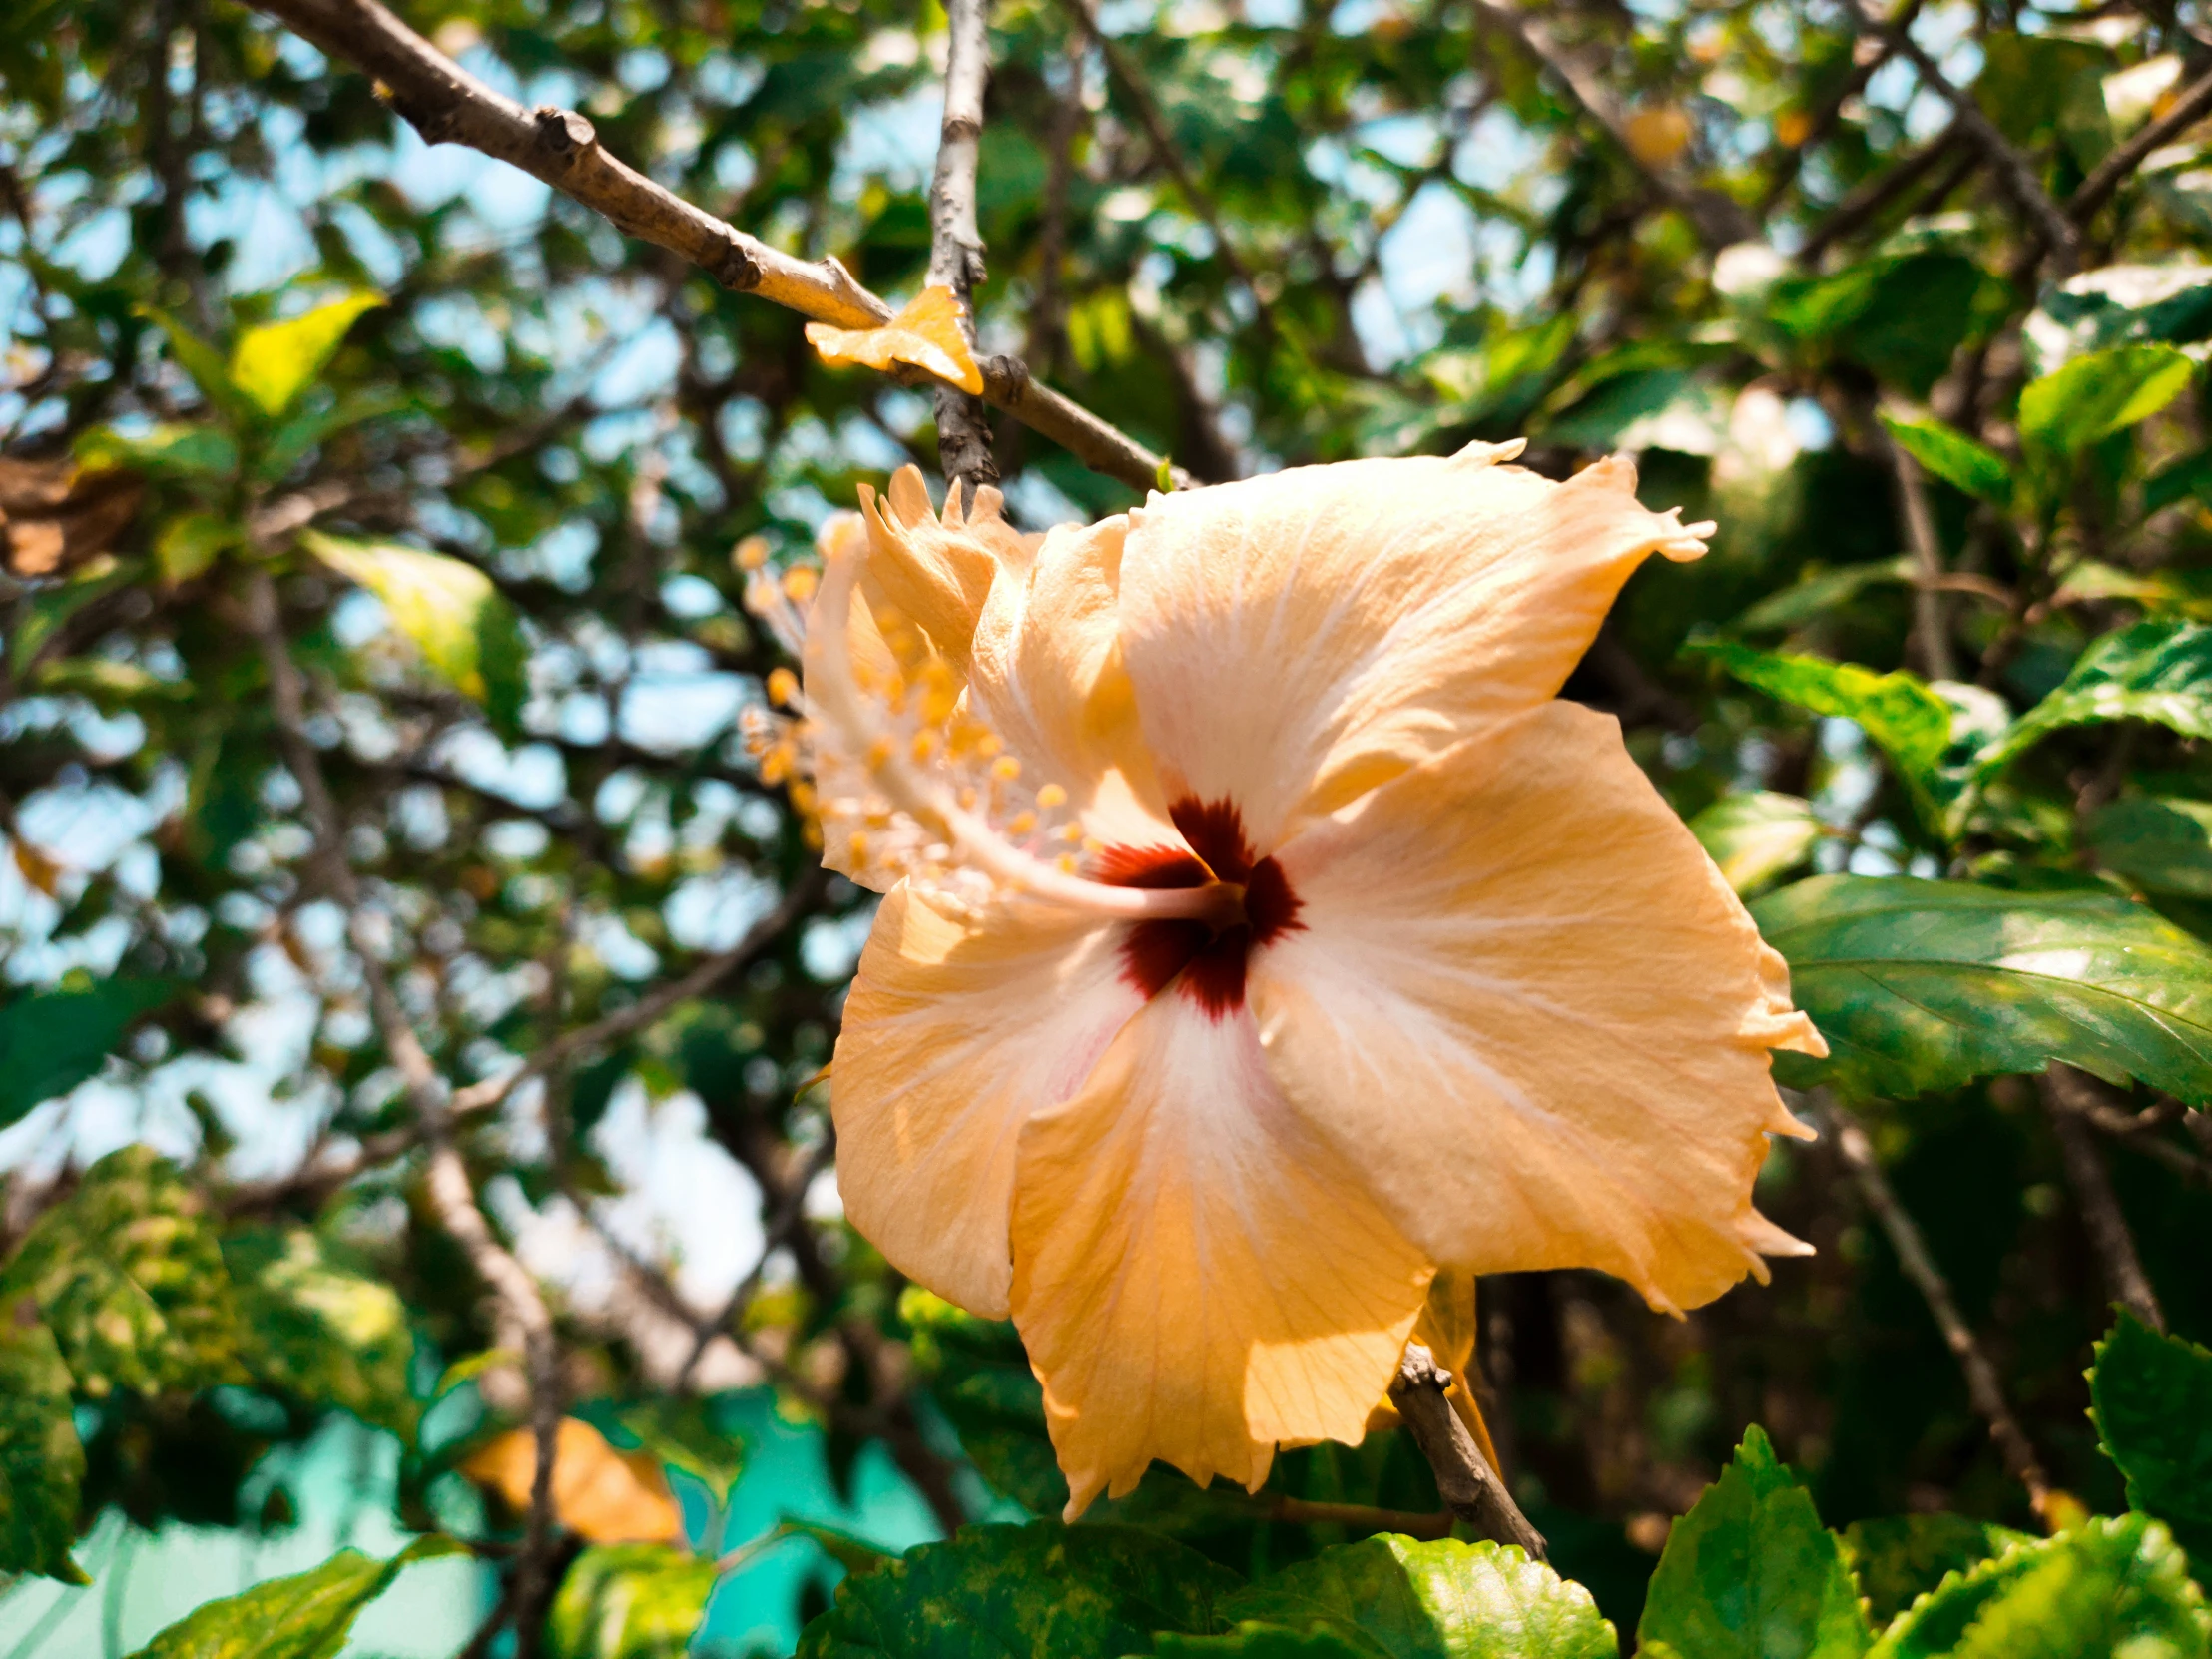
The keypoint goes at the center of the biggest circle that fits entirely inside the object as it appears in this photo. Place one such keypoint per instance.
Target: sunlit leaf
(1395, 1598)
(2160, 845)
(1953, 456)
(129, 1278)
(1039, 1589)
(2159, 670)
(190, 542)
(927, 334)
(2102, 392)
(274, 363)
(1749, 1572)
(320, 1334)
(2152, 1401)
(41, 1461)
(305, 1616)
(2110, 1589)
(1924, 985)
(1900, 1559)
(1756, 836)
(467, 631)
(601, 1495)
(631, 1602)
(51, 1042)
(170, 449)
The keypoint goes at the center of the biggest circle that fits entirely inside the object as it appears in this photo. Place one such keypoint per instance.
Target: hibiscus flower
(1262, 937)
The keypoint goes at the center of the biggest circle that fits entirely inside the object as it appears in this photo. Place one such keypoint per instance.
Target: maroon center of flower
(1205, 959)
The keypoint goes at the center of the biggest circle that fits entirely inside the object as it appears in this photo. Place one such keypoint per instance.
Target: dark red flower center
(1204, 960)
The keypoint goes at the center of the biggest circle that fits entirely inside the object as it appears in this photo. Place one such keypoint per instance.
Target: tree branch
(1471, 1487)
(1983, 1385)
(447, 104)
(1931, 616)
(2193, 104)
(2066, 1092)
(955, 242)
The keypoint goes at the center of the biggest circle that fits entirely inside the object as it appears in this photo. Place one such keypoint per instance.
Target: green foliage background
(1937, 702)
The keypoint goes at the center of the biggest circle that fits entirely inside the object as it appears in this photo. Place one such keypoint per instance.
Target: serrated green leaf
(2099, 394)
(274, 363)
(629, 1601)
(2110, 1589)
(2160, 845)
(1749, 1572)
(1756, 836)
(42, 1464)
(467, 631)
(1394, 1598)
(2151, 1398)
(1252, 1640)
(2159, 670)
(131, 1280)
(1037, 1590)
(51, 1042)
(304, 1616)
(1949, 454)
(320, 1334)
(1900, 713)
(1900, 1559)
(1922, 986)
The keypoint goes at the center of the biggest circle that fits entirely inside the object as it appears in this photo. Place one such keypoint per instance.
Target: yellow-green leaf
(275, 364)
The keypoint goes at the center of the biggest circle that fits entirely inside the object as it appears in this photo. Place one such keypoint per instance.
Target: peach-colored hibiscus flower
(1261, 935)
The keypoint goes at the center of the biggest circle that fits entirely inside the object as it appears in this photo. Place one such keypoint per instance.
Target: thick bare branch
(1465, 1481)
(447, 105)
(955, 240)
(2066, 1093)
(1983, 1385)
(2194, 103)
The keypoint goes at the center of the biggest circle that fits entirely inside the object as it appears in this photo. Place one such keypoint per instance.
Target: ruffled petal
(1197, 1280)
(1048, 675)
(1298, 639)
(956, 1031)
(1532, 1016)
(938, 571)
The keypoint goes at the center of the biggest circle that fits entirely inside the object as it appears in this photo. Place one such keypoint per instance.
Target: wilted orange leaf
(927, 334)
(601, 1495)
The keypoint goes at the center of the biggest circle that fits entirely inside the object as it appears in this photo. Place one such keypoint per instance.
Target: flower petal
(936, 572)
(956, 1031)
(1529, 1013)
(1194, 1277)
(1298, 639)
(927, 334)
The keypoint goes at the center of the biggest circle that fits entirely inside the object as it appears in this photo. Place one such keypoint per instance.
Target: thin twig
(955, 242)
(447, 104)
(1983, 1385)
(2064, 1090)
(1863, 205)
(1299, 1511)
(1931, 616)
(2016, 172)
(1465, 1481)
(1863, 68)
(2108, 177)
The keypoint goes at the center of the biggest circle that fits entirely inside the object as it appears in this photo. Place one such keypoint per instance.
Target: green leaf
(2151, 1398)
(50, 610)
(131, 1281)
(631, 1602)
(2110, 1589)
(320, 1334)
(2160, 845)
(1817, 595)
(1900, 713)
(465, 630)
(174, 451)
(1749, 1573)
(42, 1464)
(304, 1616)
(1395, 1598)
(1900, 1559)
(2099, 394)
(2159, 670)
(2189, 476)
(51, 1042)
(275, 364)
(1043, 1589)
(1757, 837)
(1950, 456)
(190, 542)
(1920, 986)
(681, 1434)
(203, 362)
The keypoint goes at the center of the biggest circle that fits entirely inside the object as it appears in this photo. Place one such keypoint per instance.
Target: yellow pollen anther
(1007, 768)
(1051, 795)
(751, 553)
(783, 688)
(859, 847)
(1069, 832)
(800, 583)
(1021, 823)
(925, 746)
(1066, 863)
(878, 754)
